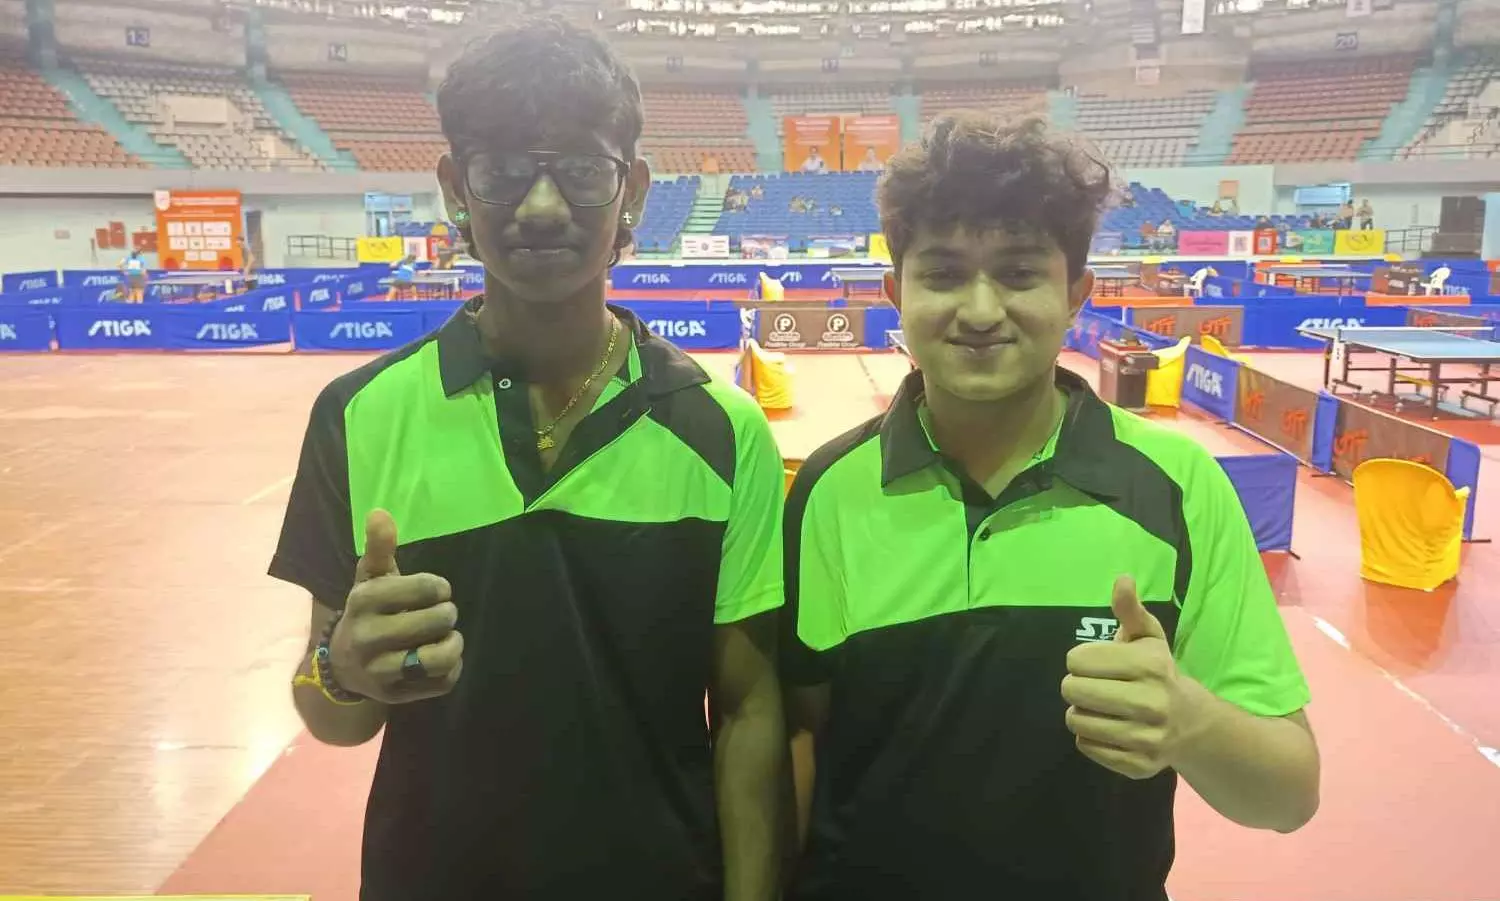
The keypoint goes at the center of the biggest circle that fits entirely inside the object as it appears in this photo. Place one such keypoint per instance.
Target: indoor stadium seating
(1153, 205)
(697, 131)
(812, 100)
(1318, 110)
(852, 193)
(389, 126)
(1450, 125)
(1005, 98)
(667, 209)
(209, 114)
(1155, 132)
(38, 129)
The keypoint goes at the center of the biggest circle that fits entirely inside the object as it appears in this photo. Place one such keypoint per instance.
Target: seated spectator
(1166, 234)
(835, 210)
(1366, 215)
(1346, 215)
(757, 192)
(735, 200)
(1148, 234)
(798, 205)
(1128, 198)
(1217, 209)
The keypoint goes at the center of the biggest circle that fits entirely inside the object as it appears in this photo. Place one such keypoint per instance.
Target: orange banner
(199, 229)
(869, 141)
(810, 143)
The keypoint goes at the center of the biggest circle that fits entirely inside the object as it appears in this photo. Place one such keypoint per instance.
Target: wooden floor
(147, 742)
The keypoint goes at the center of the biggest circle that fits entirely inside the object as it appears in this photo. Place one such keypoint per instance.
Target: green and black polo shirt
(572, 760)
(941, 620)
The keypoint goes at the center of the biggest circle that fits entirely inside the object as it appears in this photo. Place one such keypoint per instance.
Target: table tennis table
(1111, 281)
(434, 284)
(1427, 350)
(858, 281)
(1310, 279)
(203, 284)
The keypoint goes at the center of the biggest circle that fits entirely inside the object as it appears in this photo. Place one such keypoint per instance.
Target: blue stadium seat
(853, 193)
(667, 209)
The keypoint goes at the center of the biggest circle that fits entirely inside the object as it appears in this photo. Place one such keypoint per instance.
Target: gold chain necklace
(544, 439)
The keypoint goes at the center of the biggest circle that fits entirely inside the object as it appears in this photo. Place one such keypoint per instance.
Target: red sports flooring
(149, 744)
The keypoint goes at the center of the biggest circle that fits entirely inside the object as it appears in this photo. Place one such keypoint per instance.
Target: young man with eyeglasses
(537, 536)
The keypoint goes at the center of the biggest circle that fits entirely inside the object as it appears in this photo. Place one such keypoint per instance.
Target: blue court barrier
(1210, 382)
(689, 325)
(17, 282)
(25, 329)
(1273, 322)
(356, 329)
(1463, 472)
(49, 297)
(878, 321)
(1090, 328)
(110, 327)
(90, 278)
(728, 274)
(188, 328)
(1267, 487)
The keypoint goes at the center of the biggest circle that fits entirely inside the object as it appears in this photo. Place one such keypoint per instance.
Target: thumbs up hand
(387, 617)
(1126, 698)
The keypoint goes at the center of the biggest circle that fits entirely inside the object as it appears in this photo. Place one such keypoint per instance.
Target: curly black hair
(973, 169)
(539, 75)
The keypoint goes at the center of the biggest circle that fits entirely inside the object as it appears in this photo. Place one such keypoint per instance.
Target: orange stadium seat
(697, 131)
(1005, 98)
(388, 125)
(37, 128)
(1319, 110)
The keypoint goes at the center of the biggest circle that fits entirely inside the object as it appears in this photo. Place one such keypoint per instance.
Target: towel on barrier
(1411, 522)
(765, 375)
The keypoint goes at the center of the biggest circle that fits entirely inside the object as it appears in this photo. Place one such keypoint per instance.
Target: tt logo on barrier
(1206, 380)
(1219, 326)
(353, 330)
(1350, 447)
(1294, 424)
(120, 328)
(1252, 404)
(1163, 325)
(1424, 320)
(227, 331)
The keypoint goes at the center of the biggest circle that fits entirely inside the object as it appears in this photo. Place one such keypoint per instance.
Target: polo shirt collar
(462, 360)
(1081, 458)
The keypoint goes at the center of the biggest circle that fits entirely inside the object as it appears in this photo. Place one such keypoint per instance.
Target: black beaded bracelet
(323, 667)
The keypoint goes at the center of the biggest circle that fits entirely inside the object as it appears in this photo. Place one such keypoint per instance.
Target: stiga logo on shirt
(227, 331)
(679, 328)
(1096, 628)
(357, 330)
(1205, 380)
(120, 328)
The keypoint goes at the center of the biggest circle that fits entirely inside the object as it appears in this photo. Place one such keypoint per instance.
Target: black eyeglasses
(583, 179)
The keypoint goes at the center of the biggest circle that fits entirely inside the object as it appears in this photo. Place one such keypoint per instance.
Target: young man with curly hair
(1019, 612)
(537, 536)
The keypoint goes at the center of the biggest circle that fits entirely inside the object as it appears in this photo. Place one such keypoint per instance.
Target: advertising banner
(1397, 278)
(1276, 411)
(1417, 317)
(16, 282)
(25, 329)
(869, 141)
(1207, 243)
(1369, 242)
(199, 229)
(811, 143)
(1267, 240)
(1310, 241)
(358, 330)
(1210, 383)
(1241, 244)
(790, 328)
(190, 329)
(378, 250)
(1360, 433)
(705, 247)
(690, 327)
(763, 247)
(1225, 323)
(109, 327)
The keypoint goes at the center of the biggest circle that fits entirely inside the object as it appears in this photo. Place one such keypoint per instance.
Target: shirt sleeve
(750, 564)
(1230, 636)
(813, 625)
(316, 549)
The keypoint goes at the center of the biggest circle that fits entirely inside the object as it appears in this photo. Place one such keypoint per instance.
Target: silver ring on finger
(412, 669)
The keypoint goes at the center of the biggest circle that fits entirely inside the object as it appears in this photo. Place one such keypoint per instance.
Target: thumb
(380, 548)
(1136, 622)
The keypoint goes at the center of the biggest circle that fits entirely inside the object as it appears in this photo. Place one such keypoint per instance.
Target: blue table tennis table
(1309, 279)
(1426, 350)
